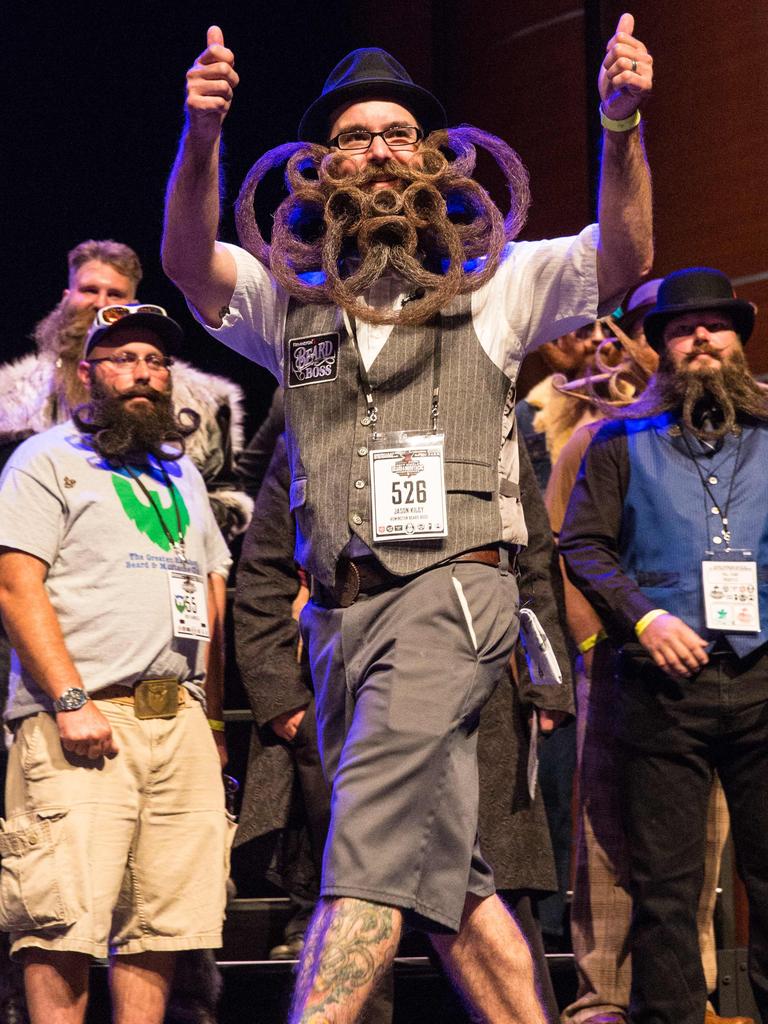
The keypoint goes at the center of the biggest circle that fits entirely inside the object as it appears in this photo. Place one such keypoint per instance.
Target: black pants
(673, 734)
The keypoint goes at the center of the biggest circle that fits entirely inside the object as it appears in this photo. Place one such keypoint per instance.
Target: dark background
(93, 110)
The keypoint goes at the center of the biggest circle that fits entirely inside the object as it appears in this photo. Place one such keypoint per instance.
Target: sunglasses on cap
(109, 315)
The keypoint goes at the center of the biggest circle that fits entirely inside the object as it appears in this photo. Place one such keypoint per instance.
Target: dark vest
(328, 442)
(669, 523)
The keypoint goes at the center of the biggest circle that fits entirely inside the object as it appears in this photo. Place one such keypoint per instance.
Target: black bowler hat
(370, 73)
(692, 290)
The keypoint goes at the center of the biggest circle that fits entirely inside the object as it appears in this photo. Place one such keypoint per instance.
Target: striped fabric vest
(328, 442)
(670, 522)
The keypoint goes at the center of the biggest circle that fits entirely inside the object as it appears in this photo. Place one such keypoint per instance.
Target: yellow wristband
(216, 724)
(620, 126)
(592, 641)
(647, 619)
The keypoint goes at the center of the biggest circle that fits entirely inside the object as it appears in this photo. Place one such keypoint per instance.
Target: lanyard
(176, 545)
(722, 512)
(372, 414)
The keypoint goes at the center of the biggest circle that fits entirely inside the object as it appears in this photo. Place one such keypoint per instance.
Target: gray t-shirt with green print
(109, 559)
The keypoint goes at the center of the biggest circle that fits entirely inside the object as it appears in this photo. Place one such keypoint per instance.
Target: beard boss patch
(312, 360)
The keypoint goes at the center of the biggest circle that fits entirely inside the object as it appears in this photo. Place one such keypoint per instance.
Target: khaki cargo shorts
(124, 854)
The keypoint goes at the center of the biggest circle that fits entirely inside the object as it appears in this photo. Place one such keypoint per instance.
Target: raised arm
(625, 253)
(199, 266)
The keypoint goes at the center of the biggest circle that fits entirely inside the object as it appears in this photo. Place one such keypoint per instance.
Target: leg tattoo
(350, 944)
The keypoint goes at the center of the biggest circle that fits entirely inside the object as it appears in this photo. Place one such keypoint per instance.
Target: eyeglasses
(399, 136)
(108, 315)
(126, 362)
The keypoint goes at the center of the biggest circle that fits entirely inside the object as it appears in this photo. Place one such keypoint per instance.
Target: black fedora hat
(692, 290)
(373, 73)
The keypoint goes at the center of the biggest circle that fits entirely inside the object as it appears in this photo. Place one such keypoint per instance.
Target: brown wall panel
(707, 138)
(404, 28)
(520, 74)
(757, 349)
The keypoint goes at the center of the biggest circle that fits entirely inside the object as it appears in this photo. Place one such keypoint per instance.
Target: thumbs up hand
(211, 83)
(626, 74)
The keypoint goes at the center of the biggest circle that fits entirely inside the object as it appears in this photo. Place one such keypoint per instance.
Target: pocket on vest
(37, 861)
(471, 476)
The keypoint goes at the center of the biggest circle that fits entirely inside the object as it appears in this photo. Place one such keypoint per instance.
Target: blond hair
(120, 256)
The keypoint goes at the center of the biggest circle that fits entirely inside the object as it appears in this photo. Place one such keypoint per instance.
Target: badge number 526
(409, 492)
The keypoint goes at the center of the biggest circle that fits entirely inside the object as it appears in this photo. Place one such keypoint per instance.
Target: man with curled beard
(115, 838)
(413, 612)
(665, 534)
(42, 388)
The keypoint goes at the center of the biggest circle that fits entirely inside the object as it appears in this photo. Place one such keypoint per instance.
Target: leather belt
(366, 575)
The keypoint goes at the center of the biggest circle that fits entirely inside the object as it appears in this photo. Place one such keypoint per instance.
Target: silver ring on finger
(634, 67)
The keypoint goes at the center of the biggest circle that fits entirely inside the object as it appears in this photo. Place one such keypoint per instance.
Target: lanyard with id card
(728, 575)
(731, 602)
(407, 468)
(187, 590)
(189, 605)
(408, 486)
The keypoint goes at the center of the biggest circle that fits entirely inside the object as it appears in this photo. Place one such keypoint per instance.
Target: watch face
(71, 700)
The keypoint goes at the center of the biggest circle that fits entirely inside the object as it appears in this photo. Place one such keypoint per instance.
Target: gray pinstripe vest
(328, 444)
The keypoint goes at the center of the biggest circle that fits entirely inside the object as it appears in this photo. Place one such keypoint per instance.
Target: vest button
(362, 450)
(356, 519)
(713, 479)
(359, 484)
(366, 421)
(717, 540)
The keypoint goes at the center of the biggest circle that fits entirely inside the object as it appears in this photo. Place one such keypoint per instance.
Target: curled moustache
(437, 228)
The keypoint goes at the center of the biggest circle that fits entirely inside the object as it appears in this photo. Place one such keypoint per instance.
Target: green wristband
(626, 125)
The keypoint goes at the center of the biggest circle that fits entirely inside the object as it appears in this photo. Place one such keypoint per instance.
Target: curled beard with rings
(120, 434)
(438, 228)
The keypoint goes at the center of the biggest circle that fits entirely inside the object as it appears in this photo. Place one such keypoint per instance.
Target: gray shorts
(400, 679)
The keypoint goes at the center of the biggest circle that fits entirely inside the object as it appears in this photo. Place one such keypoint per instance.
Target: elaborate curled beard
(731, 391)
(122, 435)
(621, 369)
(437, 220)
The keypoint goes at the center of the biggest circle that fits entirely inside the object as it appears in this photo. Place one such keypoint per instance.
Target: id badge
(730, 594)
(408, 486)
(189, 605)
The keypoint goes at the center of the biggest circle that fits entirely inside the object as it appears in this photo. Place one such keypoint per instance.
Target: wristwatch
(71, 700)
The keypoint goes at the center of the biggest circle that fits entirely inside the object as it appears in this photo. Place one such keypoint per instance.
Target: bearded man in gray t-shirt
(116, 832)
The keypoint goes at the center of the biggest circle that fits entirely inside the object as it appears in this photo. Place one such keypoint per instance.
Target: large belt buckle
(156, 698)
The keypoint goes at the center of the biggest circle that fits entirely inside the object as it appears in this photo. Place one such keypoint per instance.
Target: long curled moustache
(619, 375)
(427, 231)
(119, 437)
(731, 393)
